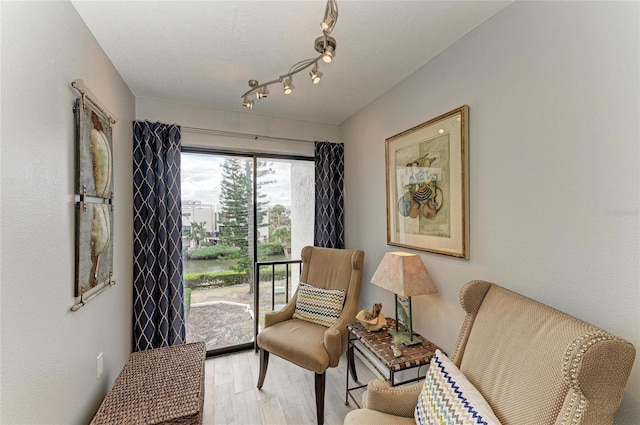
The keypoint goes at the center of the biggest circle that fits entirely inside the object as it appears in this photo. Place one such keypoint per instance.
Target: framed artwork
(94, 206)
(427, 186)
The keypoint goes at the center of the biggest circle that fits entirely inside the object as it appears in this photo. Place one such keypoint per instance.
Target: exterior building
(197, 212)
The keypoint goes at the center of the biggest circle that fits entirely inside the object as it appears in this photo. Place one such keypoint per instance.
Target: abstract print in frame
(94, 185)
(427, 187)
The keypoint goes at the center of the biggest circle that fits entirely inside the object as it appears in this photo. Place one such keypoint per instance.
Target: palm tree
(198, 233)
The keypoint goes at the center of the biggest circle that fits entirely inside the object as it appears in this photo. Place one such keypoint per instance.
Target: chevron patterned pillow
(318, 305)
(447, 397)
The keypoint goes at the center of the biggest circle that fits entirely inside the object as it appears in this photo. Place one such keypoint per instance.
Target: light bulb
(315, 75)
(326, 24)
(327, 56)
(288, 86)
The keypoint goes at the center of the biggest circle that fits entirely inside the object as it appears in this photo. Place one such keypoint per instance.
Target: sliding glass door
(238, 209)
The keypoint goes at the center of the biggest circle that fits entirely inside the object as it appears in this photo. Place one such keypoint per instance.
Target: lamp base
(404, 338)
(413, 342)
(404, 321)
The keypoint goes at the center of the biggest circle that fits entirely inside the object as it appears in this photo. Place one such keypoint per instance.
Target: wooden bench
(160, 386)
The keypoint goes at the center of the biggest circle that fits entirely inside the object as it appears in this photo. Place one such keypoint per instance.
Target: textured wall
(48, 361)
(553, 90)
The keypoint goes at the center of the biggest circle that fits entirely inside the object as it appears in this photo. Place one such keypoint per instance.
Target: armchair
(311, 345)
(531, 363)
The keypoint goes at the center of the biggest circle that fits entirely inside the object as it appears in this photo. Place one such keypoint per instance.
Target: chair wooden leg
(320, 398)
(264, 362)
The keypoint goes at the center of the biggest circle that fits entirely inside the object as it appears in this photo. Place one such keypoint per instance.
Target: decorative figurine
(372, 320)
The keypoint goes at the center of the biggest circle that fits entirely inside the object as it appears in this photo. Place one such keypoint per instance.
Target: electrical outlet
(99, 365)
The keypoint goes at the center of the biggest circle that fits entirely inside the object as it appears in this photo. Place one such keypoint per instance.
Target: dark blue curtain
(329, 211)
(158, 306)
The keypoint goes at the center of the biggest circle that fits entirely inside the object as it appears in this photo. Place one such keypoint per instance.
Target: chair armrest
(333, 345)
(398, 401)
(335, 338)
(281, 315)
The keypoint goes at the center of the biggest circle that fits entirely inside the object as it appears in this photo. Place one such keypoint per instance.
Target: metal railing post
(256, 290)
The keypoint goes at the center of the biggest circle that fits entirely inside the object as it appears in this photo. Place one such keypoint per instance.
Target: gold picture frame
(427, 185)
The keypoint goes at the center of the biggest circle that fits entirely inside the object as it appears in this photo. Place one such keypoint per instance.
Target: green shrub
(267, 249)
(224, 278)
(213, 252)
(280, 273)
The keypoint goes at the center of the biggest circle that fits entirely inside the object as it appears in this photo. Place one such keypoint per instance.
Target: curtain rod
(243, 135)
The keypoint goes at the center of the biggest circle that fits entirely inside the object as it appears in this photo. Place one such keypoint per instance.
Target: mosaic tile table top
(379, 343)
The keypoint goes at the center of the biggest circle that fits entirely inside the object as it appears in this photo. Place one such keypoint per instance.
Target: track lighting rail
(325, 45)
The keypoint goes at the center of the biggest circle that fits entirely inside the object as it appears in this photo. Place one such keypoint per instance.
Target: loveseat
(531, 363)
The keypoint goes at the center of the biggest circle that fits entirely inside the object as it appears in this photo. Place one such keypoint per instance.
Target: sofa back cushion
(534, 364)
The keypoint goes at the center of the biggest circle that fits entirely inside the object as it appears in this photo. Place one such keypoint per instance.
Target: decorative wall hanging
(94, 199)
(427, 186)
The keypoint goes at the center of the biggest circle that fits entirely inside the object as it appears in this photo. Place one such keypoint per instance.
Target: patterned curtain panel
(158, 307)
(329, 219)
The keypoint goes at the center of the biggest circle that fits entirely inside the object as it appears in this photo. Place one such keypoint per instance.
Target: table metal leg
(346, 392)
(349, 366)
(351, 362)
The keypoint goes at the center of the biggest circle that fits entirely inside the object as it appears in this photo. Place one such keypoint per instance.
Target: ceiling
(204, 52)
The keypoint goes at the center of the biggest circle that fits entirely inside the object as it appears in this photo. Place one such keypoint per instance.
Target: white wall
(48, 361)
(553, 90)
(250, 122)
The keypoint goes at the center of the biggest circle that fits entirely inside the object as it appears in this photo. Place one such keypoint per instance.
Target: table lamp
(405, 275)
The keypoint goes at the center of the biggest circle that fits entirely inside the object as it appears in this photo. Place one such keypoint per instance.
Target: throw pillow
(447, 397)
(317, 305)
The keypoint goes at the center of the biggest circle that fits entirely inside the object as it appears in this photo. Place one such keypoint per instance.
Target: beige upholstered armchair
(531, 364)
(298, 334)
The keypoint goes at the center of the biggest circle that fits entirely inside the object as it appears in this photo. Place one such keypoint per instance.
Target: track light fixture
(247, 103)
(330, 17)
(324, 45)
(315, 74)
(288, 85)
(262, 93)
(327, 56)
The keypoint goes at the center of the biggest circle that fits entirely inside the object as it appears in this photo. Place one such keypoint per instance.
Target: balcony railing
(258, 266)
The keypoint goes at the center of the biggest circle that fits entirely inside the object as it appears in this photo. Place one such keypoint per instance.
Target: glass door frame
(255, 156)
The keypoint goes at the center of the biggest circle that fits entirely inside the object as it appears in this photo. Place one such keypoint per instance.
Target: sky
(201, 175)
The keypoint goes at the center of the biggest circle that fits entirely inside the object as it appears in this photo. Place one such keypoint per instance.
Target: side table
(378, 344)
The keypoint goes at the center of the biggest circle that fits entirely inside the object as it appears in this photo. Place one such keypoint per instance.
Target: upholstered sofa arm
(398, 401)
(587, 368)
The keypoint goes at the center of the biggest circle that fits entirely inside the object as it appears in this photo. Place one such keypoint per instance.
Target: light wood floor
(287, 396)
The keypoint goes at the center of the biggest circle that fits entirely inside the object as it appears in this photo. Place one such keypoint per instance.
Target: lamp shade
(403, 274)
